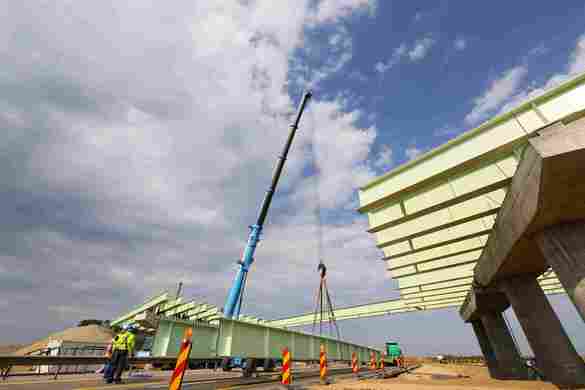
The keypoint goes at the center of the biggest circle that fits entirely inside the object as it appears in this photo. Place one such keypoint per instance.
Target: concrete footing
(563, 246)
(555, 355)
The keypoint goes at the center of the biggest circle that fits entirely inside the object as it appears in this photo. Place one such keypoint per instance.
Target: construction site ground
(429, 376)
(154, 379)
(437, 377)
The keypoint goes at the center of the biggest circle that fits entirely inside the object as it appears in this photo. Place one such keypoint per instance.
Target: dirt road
(439, 377)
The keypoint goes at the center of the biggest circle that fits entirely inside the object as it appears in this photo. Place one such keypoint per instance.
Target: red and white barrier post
(286, 365)
(182, 362)
(354, 364)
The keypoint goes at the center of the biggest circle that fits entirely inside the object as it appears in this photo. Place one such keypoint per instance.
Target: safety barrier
(58, 362)
(58, 348)
(323, 365)
(182, 362)
(286, 367)
(381, 364)
(373, 364)
(355, 366)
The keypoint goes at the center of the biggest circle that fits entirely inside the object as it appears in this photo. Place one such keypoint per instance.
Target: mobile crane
(235, 297)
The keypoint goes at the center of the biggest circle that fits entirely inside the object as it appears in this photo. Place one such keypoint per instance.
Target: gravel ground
(439, 377)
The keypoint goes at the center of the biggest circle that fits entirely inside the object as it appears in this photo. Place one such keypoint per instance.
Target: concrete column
(555, 355)
(486, 348)
(509, 362)
(563, 246)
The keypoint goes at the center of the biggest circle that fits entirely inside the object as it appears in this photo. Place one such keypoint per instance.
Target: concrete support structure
(486, 348)
(497, 203)
(483, 309)
(537, 227)
(555, 355)
(563, 247)
(509, 362)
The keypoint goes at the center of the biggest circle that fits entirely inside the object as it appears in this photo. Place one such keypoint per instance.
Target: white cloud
(331, 10)
(397, 54)
(420, 49)
(412, 152)
(381, 67)
(414, 53)
(137, 148)
(384, 159)
(446, 130)
(417, 17)
(537, 51)
(498, 92)
(460, 43)
(340, 173)
(575, 65)
(331, 57)
(577, 62)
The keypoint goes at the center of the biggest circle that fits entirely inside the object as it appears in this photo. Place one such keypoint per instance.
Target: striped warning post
(323, 365)
(373, 361)
(354, 363)
(182, 362)
(286, 375)
(382, 357)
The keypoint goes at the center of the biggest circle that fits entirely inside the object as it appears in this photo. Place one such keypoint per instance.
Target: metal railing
(56, 364)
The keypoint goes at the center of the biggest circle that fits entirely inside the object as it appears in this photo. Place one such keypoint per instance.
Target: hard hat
(125, 327)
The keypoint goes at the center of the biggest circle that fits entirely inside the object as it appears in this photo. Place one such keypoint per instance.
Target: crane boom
(235, 296)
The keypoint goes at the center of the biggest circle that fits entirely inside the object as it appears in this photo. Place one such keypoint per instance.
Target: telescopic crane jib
(233, 303)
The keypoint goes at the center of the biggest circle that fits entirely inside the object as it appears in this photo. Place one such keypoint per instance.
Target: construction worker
(107, 369)
(122, 349)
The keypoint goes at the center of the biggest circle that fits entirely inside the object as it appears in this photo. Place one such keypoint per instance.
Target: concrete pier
(555, 355)
(540, 225)
(563, 247)
(486, 348)
(509, 362)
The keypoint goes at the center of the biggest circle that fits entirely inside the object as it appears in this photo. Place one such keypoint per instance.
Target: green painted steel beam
(150, 303)
(182, 308)
(252, 340)
(205, 314)
(214, 312)
(433, 215)
(415, 302)
(171, 304)
(532, 106)
(199, 309)
(251, 319)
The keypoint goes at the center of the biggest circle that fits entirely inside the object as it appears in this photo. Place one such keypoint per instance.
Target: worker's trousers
(119, 362)
(108, 370)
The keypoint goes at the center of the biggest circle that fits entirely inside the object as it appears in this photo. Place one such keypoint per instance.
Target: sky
(139, 138)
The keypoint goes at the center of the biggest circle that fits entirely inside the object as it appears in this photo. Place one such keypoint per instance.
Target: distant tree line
(93, 321)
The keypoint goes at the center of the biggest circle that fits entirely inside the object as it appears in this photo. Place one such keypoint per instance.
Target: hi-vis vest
(123, 342)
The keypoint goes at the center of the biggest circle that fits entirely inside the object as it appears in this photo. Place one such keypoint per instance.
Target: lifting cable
(324, 304)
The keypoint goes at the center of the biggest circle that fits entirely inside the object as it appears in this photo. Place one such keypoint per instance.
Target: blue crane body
(233, 303)
(234, 299)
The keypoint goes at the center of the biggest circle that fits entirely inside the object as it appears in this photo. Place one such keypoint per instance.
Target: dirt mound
(83, 334)
(8, 349)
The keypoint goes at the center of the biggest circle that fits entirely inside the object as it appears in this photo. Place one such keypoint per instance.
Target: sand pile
(9, 349)
(83, 334)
